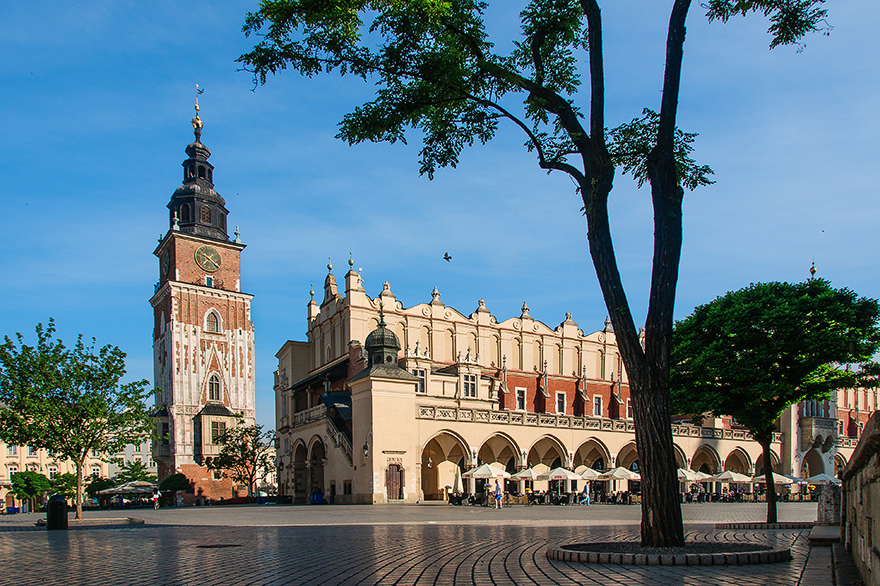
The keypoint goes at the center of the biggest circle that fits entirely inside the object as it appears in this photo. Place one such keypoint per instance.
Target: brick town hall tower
(203, 338)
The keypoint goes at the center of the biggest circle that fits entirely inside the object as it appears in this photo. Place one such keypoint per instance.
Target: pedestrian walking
(498, 494)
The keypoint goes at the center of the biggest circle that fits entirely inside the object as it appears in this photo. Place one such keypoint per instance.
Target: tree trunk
(768, 478)
(661, 501)
(80, 464)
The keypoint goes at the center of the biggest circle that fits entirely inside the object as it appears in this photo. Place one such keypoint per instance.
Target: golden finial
(813, 270)
(197, 121)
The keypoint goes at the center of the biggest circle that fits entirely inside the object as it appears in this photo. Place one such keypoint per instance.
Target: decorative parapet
(309, 416)
(572, 422)
(847, 442)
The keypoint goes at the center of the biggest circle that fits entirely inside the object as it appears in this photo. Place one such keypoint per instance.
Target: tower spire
(197, 121)
(199, 209)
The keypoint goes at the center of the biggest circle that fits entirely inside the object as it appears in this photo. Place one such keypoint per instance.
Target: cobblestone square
(393, 545)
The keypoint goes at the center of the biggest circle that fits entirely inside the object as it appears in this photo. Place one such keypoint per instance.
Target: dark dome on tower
(382, 344)
(196, 208)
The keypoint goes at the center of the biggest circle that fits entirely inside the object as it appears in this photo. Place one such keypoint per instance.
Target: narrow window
(184, 213)
(214, 388)
(201, 172)
(629, 409)
(470, 385)
(521, 399)
(53, 472)
(421, 374)
(213, 324)
(12, 450)
(597, 406)
(206, 215)
(560, 403)
(32, 451)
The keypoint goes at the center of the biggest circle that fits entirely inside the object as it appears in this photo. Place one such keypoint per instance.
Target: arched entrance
(738, 461)
(299, 490)
(500, 451)
(441, 456)
(706, 460)
(839, 464)
(812, 464)
(547, 453)
(317, 458)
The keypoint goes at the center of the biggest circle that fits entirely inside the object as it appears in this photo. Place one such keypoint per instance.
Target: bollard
(56, 513)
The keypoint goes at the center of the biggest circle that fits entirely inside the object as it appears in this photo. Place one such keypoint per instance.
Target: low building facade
(445, 390)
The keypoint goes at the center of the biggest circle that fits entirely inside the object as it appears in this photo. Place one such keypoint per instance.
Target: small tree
(174, 483)
(29, 485)
(70, 400)
(245, 455)
(134, 471)
(754, 352)
(64, 484)
(97, 485)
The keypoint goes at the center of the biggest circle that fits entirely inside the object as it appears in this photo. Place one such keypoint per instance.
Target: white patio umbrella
(457, 484)
(133, 487)
(590, 474)
(822, 479)
(486, 471)
(619, 473)
(527, 474)
(559, 474)
(730, 476)
(778, 479)
(687, 475)
(702, 476)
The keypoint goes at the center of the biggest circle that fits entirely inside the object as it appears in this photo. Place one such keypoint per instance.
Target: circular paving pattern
(703, 553)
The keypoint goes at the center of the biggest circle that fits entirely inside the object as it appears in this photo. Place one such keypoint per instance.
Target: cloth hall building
(383, 402)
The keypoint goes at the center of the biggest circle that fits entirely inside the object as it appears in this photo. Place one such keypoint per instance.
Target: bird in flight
(446, 257)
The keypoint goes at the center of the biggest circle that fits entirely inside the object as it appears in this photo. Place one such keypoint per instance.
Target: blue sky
(96, 99)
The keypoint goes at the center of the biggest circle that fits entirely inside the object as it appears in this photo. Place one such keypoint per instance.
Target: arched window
(214, 388)
(212, 323)
(206, 215)
(184, 213)
(201, 172)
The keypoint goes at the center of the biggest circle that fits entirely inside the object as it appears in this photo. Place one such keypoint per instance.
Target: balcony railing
(309, 416)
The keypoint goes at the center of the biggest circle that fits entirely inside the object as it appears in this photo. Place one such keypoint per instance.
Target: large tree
(70, 400)
(246, 454)
(751, 353)
(439, 73)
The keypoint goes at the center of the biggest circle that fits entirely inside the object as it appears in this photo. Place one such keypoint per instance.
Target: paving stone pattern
(360, 554)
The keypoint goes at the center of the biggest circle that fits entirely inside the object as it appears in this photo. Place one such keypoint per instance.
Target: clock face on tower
(165, 263)
(208, 258)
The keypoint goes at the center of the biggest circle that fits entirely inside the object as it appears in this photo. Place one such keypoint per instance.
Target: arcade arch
(706, 460)
(812, 464)
(738, 461)
(443, 453)
(591, 454)
(547, 451)
(500, 450)
(299, 489)
(628, 457)
(774, 462)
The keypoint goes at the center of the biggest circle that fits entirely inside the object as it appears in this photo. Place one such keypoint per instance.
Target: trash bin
(56, 512)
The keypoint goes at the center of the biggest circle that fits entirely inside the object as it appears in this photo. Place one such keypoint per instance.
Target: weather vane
(197, 122)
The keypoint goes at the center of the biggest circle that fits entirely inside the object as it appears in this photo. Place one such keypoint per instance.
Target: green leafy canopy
(438, 73)
(751, 353)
